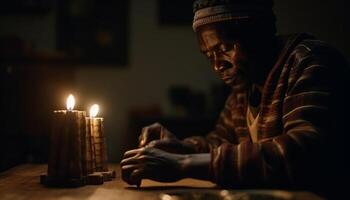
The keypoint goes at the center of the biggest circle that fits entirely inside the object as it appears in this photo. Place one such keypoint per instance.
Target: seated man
(282, 123)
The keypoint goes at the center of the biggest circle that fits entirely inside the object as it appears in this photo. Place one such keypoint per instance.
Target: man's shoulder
(310, 50)
(315, 47)
(311, 57)
(310, 46)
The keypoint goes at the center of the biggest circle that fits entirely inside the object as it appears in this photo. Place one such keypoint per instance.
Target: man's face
(226, 55)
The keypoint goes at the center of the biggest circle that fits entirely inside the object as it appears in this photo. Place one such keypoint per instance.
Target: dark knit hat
(210, 11)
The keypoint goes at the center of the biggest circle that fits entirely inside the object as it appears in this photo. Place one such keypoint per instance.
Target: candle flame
(70, 102)
(94, 110)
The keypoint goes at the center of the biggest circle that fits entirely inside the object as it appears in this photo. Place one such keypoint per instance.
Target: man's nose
(216, 63)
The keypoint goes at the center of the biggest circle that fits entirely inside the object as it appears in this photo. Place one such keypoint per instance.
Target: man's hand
(158, 136)
(154, 132)
(151, 163)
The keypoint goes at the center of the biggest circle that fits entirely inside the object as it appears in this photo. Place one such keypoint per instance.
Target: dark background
(138, 59)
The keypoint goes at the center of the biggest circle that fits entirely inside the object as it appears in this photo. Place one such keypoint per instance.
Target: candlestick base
(97, 178)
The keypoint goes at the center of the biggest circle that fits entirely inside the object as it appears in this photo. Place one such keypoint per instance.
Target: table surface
(23, 182)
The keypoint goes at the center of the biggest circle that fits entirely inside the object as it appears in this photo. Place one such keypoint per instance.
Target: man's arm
(223, 133)
(192, 156)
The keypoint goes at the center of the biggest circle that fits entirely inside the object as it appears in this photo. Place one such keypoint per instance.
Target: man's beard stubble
(233, 73)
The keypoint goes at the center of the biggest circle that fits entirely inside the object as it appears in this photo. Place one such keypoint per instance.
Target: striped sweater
(298, 120)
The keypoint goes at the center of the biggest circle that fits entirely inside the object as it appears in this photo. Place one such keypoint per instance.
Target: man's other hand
(153, 132)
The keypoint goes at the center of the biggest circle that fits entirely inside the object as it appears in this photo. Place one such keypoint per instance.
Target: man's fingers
(130, 167)
(140, 157)
(126, 172)
(129, 161)
(155, 126)
(132, 156)
(133, 174)
(149, 133)
(137, 175)
(143, 137)
(133, 152)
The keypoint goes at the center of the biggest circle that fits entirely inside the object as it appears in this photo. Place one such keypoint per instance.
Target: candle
(65, 156)
(97, 154)
(78, 151)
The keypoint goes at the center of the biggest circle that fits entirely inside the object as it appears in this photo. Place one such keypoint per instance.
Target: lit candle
(70, 102)
(98, 150)
(65, 157)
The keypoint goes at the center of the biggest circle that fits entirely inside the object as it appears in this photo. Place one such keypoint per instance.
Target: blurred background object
(138, 60)
(169, 16)
(93, 31)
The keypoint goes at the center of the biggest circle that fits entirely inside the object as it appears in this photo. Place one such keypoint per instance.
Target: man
(282, 123)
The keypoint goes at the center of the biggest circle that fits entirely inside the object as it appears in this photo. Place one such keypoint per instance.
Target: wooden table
(23, 182)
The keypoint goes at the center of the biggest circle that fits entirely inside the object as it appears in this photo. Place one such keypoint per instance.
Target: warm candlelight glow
(94, 110)
(70, 102)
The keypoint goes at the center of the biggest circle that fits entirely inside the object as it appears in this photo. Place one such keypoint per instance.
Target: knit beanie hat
(211, 11)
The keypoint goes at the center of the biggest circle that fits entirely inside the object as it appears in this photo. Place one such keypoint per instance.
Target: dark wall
(168, 51)
(328, 20)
